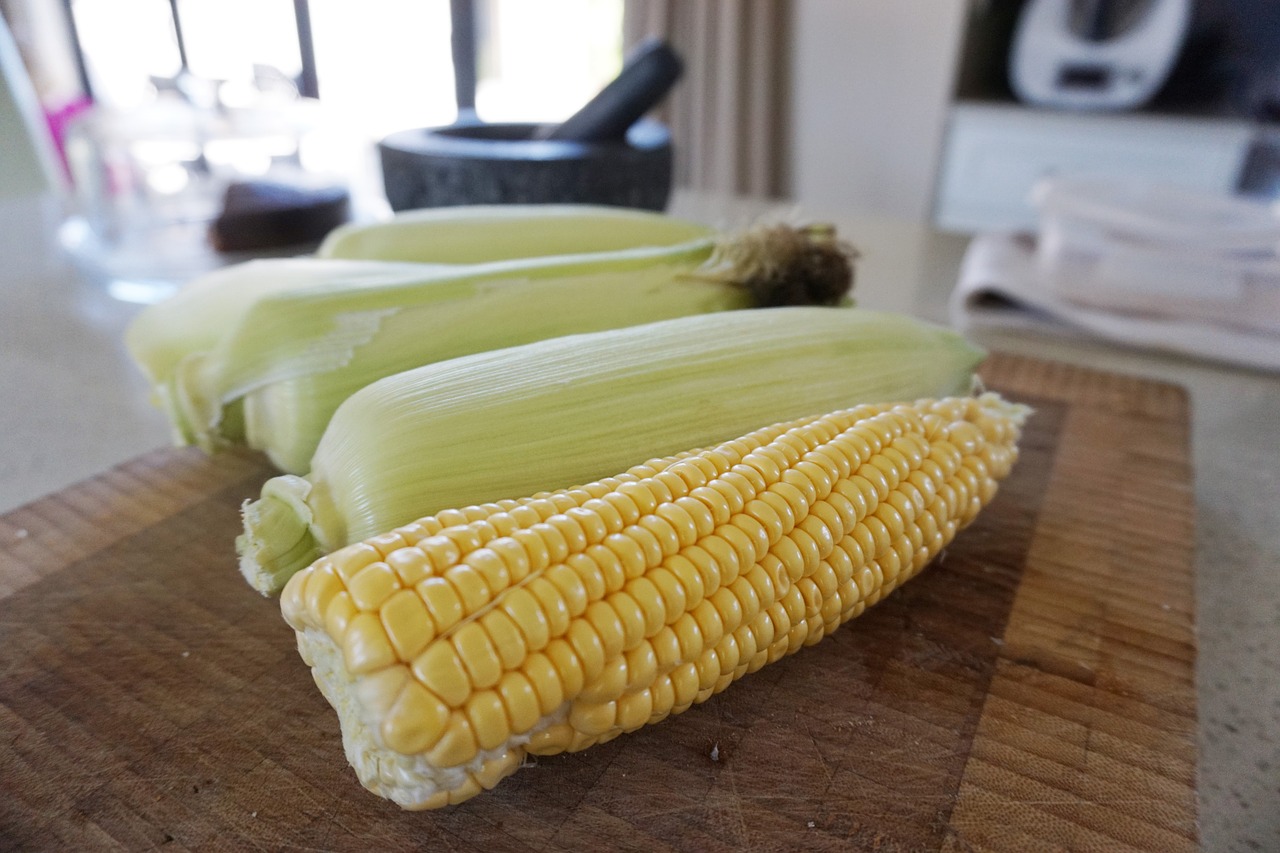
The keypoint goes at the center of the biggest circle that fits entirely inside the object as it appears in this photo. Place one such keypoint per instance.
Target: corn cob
(357, 255)
(293, 356)
(572, 409)
(455, 645)
(209, 307)
(484, 233)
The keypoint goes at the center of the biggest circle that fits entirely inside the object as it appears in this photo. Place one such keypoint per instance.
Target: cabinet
(901, 108)
(993, 154)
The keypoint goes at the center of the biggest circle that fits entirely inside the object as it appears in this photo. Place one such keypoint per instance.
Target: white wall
(871, 83)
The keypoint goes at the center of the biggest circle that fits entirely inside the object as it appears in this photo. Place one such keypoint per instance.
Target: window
(131, 46)
(541, 61)
(380, 65)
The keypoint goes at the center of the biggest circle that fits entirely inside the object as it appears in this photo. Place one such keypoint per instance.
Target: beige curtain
(728, 113)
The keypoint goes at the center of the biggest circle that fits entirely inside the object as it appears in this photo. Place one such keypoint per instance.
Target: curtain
(728, 113)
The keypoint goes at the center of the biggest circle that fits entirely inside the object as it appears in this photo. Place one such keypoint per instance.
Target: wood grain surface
(1031, 690)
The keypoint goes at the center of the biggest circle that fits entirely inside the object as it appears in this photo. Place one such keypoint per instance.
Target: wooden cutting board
(1032, 690)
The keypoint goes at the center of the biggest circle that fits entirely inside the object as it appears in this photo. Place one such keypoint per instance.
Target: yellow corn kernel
(440, 670)
(506, 637)
(575, 594)
(457, 745)
(478, 654)
(488, 719)
(494, 770)
(520, 700)
(407, 623)
(338, 614)
(526, 611)
(416, 721)
(442, 601)
(590, 720)
(372, 585)
(365, 645)
(379, 690)
(609, 684)
(608, 627)
(491, 568)
(565, 661)
(630, 616)
(351, 559)
(634, 710)
(666, 648)
(411, 565)
(566, 619)
(552, 605)
(546, 681)
(470, 586)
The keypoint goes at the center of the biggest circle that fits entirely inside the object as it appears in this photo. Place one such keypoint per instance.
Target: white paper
(999, 286)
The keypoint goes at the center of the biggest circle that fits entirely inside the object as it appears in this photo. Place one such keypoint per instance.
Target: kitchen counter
(77, 407)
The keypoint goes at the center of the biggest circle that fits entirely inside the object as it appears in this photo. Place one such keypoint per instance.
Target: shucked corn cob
(456, 645)
(282, 364)
(568, 410)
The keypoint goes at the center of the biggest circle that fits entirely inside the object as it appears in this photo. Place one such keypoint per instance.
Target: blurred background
(1111, 166)
(382, 66)
(900, 107)
(165, 126)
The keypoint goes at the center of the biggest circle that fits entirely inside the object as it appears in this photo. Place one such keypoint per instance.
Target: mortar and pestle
(603, 154)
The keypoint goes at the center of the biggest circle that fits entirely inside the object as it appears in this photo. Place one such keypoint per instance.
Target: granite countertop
(76, 406)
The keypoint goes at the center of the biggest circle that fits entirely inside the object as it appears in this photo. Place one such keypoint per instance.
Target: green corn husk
(568, 410)
(484, 233)
(409, 247)
(209, 307)
(294, 356)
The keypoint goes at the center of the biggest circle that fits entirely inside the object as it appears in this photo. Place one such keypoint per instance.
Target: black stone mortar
(478, 163)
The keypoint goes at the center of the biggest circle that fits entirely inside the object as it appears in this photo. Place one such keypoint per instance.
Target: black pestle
(646, 77)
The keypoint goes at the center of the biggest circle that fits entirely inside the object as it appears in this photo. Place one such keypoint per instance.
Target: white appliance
(1096, 54)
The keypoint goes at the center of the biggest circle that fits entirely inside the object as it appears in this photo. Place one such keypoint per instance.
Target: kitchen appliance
(1096, 54)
